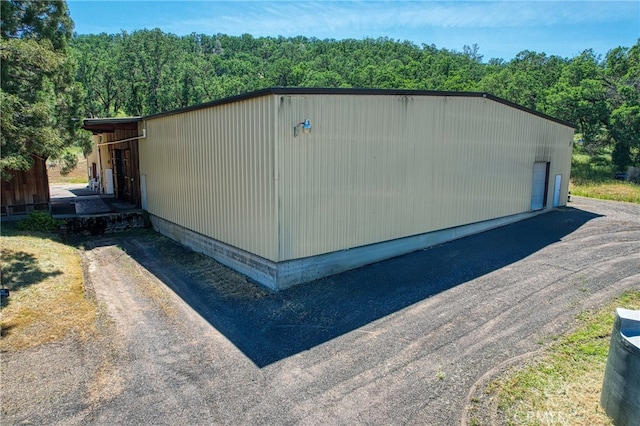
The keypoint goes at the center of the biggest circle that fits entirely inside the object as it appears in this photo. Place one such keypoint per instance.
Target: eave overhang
(110, 125)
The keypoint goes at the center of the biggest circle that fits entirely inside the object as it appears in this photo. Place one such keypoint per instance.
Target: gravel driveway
(403, 341)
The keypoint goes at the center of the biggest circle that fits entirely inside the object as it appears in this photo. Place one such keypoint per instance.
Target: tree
(40, 99)
(98, 73)
(580, 97)
(472, 52)
(147, 56)
(525, 79)
(622, 77)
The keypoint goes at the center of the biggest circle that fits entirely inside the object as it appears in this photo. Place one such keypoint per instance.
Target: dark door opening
(121, 187)
(124, 163)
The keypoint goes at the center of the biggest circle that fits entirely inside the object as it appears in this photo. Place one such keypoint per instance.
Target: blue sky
(501, 29)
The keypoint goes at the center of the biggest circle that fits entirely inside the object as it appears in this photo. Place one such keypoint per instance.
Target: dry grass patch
(564, 386)
(77, 175)
(207, 272)
(146, 282)
(615, 191)
(47, 301)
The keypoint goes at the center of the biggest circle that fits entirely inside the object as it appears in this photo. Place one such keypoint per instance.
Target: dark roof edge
(118, 120)
(352, 91)
(529, 110)
(109, 125)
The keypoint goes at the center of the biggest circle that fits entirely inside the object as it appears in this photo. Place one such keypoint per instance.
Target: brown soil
(77, 175)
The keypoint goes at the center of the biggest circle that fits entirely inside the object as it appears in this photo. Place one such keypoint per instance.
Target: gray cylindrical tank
(621, 388)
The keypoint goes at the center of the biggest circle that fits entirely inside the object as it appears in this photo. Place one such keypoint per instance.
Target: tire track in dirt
(152, 351)
(418, 364)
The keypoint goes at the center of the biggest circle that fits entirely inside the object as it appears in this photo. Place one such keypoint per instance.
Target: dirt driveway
(399, 342)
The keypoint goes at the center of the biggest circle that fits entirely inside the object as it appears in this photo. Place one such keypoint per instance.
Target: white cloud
(501, 28)
(326, 17)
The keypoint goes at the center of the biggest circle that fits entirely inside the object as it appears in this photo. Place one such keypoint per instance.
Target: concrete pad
(91, 204)
(66, 190)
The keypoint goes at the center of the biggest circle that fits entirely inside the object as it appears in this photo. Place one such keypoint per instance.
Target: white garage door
(539, 188)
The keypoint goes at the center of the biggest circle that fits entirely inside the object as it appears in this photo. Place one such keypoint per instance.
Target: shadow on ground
(20, 270)
(268, 327)
(91, 201)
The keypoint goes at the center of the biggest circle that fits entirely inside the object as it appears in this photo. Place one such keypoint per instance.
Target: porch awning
(110, 125)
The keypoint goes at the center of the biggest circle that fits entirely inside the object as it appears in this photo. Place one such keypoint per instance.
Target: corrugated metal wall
(376, 168)
(212, 170)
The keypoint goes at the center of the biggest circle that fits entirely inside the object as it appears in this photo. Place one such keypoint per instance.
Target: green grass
(594, 168)
(564, 386)
(615, 191)
(592, 176)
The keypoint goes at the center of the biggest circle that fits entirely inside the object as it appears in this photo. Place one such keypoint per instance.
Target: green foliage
(148, 71)
(50, 80)
(592, 168)
(69, 161)
(39, 221)
(40, 98)
(592, 176)
(83, 142)
(525, 79)
(622, 77)
(98, 72)
(625, 130)
(579, 96)
(36, 20)
(621, 155)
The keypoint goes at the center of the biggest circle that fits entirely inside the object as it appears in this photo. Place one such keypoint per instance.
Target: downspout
(143, 136)
(99, 169)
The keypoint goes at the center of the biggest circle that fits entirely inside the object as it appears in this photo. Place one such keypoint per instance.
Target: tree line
(51, 77)
(149, 71)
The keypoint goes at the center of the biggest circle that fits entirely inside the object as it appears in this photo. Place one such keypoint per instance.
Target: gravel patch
(405, 341)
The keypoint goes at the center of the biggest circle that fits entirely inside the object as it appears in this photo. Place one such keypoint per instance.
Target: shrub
(69, 162)
(39, 221)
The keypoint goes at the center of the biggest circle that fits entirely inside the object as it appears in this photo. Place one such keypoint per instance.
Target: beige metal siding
(377, 168)
(92, 157)
(211, 170)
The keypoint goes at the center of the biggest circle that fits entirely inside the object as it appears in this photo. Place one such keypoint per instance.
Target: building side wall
(211, 171)
(92, 157)
(378, 168)
(27, 190)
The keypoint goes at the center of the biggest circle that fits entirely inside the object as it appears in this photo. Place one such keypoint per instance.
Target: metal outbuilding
(290, 185)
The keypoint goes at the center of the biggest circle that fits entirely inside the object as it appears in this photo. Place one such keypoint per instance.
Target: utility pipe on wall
(143, 136)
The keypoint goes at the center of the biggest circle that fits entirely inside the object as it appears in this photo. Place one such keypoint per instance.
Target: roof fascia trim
(353, 91)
